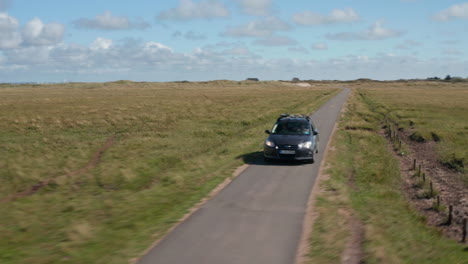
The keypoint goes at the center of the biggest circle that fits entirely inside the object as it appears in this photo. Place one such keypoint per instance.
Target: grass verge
(364, 180)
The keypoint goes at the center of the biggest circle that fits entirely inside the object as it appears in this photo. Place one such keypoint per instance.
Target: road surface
(256, 219)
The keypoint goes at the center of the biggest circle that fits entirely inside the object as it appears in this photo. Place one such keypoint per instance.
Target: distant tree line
(447, 78)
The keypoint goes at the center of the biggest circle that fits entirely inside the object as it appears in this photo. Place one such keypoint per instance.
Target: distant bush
(417, 137)
(122, 82)
(455, 162)
(458, 79)
(364, 80)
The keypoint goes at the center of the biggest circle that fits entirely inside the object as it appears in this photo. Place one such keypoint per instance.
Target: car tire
(267, 160)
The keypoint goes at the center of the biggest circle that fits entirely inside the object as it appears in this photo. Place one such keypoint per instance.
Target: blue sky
(143, 40)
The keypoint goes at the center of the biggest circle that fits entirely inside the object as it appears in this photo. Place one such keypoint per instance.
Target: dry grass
(174, 142)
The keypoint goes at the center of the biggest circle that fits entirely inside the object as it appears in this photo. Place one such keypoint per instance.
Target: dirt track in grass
(97, 156)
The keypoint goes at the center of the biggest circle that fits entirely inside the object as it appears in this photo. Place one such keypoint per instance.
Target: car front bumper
(299, 154)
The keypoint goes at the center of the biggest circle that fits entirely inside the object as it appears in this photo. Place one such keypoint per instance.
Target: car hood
(289, 139)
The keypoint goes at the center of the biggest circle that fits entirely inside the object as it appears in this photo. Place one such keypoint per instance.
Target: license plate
(287, 152)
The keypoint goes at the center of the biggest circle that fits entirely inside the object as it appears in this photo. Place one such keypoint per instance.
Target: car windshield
(290, 127)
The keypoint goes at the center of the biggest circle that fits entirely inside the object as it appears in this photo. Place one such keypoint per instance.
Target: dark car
(293, 137)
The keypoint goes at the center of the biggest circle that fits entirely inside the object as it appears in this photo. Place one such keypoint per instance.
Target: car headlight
(307, 144)
(270, 143)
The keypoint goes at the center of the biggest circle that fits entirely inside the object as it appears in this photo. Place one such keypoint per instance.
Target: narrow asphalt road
(257, 218)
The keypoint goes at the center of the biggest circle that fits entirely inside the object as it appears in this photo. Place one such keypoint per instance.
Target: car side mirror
(268, 132)
(316, 132)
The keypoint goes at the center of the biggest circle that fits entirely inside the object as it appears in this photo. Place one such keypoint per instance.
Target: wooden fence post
(431, 190)
(449, 219)
(463, 240)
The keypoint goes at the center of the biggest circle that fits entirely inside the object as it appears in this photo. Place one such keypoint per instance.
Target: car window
(313, 126)
(289, 127)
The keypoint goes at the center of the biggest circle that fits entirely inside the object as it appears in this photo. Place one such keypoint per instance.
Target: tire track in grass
(93, 162)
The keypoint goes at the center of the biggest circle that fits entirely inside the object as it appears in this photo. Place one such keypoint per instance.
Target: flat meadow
(433, 111)
(365, 205)
(95, 172)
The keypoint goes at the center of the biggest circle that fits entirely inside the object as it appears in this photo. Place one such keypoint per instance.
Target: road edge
(239, 170)
(311, 215)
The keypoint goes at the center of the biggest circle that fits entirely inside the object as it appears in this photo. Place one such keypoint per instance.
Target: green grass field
(364, 175)
(435, 111)
(174, 142)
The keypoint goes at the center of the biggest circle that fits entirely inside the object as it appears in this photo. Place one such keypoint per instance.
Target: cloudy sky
(148, 40)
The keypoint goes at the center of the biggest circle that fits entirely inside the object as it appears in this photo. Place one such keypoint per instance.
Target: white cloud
(320, 46)
(101, 44)
(187, 9)
(126, 56)
(8, 23)
(101, 54)
(308, 18)
(108, 21)
(256, 7)
(260, 28)
(28, 56)
(71, 57)
(153, 47)
(343, 15)
(130, 60)
(10, 40)
(274, 41)
(375, 32)
(37, 33)
(459, 11)
(9, 36)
